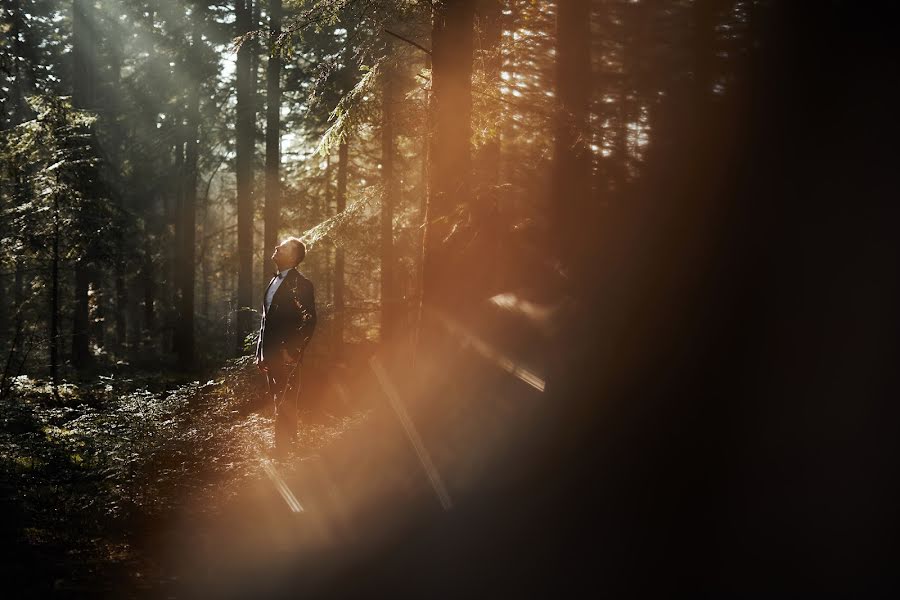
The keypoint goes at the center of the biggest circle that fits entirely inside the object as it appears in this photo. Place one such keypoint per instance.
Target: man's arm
(304, 323)
(259, 341)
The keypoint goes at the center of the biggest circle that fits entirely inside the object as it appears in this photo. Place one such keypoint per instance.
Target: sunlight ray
(411, 432)
(282, 487)
(501, 360)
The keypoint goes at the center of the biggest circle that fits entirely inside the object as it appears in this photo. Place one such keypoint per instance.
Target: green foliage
(56, 149)
(31, 49)
(88, 470)
(337, 226)
(354, 109)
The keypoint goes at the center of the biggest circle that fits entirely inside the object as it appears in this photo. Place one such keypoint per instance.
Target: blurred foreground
(147, 487)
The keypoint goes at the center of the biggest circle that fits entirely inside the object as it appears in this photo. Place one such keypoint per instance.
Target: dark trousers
(284, 390)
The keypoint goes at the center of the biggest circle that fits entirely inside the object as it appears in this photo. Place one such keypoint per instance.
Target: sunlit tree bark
(423, 204)
(571, 154)
(450, 149)
(329, 250)
(339, 304)
(273, 135)
(487, 170)
(244, 171)
(490, 21)
(388, 301)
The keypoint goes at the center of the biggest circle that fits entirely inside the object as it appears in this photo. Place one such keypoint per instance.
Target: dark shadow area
(722, 422)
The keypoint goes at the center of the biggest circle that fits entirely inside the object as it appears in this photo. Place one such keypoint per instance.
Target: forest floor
(92, 480)
(153, 486)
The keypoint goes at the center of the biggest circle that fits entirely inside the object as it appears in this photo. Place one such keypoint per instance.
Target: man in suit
(288, 322)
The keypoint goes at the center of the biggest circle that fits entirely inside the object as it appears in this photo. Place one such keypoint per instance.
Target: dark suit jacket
(289, 321)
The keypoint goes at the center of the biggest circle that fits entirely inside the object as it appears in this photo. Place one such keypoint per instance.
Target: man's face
(284, 256)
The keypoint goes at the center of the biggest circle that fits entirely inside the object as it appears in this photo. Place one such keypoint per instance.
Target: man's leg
(271, 384)
(288, 390)
(277, 376)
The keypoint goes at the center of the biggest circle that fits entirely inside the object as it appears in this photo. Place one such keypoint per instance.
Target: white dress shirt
(273, 287)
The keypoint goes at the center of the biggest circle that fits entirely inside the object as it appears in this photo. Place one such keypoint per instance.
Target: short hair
(299, 248)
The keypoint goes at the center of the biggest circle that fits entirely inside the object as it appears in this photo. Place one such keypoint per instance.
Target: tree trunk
(205, 257)
(450, 152)
(19, 293)
(172, 332)
(149, 295)
(24, 78)
(339, 253)
(133, 330)
(80, 321)
(388, 302)
(122, 307)
(84, 44)
(329, 249)
(13, 364)
(423, 212)
(54, 302)
(98, 301)
(244, 173)
(509, 158)
(204, 301)
(4, 314)
(490, 20)
(273, 136)
(118, 136)
(486, 271)
(256, 52)
(188, 217)
(570, 210)
(703, 48)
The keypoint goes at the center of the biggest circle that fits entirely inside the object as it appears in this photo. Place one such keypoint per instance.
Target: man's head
(289, 253)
